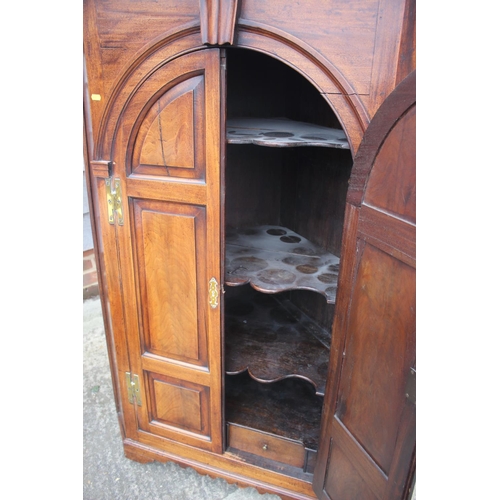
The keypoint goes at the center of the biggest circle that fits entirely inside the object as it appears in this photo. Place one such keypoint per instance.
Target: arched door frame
(322, 74)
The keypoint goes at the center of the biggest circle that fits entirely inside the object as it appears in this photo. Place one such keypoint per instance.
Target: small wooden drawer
(263, 444)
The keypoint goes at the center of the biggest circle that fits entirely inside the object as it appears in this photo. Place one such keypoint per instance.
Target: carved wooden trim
(328, 79)
(217, 21)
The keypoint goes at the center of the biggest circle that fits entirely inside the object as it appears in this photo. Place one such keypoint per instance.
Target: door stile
(222, 232)
(127, 287)
(214, 148)
(111, 280)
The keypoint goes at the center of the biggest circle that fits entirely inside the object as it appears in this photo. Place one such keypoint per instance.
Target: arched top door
(162, 252)
(368, 433)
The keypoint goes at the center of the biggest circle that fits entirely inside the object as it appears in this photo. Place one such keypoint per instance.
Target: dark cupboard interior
(285, 193)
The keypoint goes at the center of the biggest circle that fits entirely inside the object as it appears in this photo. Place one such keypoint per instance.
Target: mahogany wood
(314, 194)
(369, 422)
(172, 278)
(217, 21)
(266, 445)
(253, 186)
(167, 138)
(156, 119)
(172, 334)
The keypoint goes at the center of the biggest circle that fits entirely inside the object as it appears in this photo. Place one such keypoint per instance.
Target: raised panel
(170, 245)
(170, 139)
(169, 142)
(343, 480)
(392, 183)
(378, 353)
(178, 406)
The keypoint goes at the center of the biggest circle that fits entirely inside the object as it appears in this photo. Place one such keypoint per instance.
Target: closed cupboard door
(368, 434)
(166, 167)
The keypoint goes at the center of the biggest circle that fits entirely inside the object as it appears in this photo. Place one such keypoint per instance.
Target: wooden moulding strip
(192, 193)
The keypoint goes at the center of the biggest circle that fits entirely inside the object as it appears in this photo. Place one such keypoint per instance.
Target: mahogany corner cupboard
(251, 173)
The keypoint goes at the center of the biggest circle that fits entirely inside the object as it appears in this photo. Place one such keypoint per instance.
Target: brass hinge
(133, 389)
(213, 293)
(114, 200)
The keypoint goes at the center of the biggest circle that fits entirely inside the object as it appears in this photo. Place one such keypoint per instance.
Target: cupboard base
(227, 466)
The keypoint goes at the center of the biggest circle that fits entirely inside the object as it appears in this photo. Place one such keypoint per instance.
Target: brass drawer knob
(265, 447)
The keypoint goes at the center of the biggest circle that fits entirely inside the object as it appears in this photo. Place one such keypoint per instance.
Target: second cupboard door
(167, 161)
(368, 435)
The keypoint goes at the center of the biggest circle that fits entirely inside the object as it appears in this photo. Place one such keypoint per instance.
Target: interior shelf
(287, 409)
(282, 132)
(274, 259)
(273, 340)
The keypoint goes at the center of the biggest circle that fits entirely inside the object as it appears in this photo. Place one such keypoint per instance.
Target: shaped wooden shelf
(273, 340)
(282, 133)
(288, 408)
(275, 259)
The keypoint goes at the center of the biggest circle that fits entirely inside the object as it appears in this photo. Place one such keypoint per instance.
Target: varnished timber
(172, 334)
(217, 21)
(369, 423)
(157, 121)
(145, 26)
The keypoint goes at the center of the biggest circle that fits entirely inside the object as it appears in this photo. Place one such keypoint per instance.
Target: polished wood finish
(354, 52)
(167, 135)
(266, 445)
(369, 424)
(217, 21)
(169, 331)
(172, 279)
(155, 116)
(272, 339)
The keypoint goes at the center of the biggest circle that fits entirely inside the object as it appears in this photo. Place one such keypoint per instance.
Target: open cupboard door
(159, 211)
(367, 446)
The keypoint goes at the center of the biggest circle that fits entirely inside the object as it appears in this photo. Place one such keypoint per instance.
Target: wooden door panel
(368, 428)
(398, 149)
(344, 481)
(177, 406)
(168, 143)
(170, 242)
(378, 353)
(169, 249)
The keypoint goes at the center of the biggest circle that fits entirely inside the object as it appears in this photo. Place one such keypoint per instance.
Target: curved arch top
(321, 73)
(402, 98)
